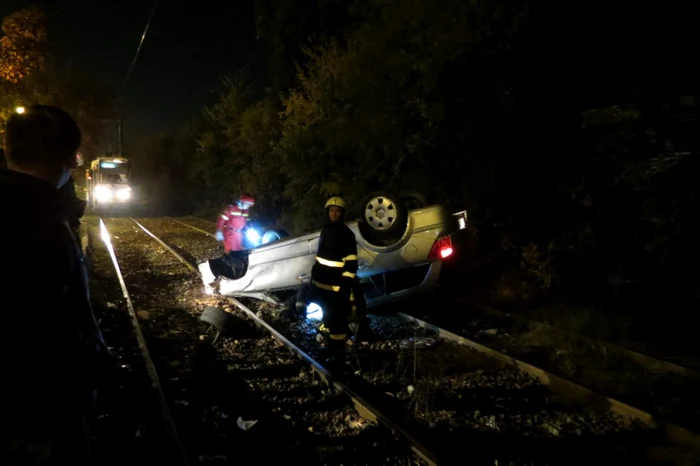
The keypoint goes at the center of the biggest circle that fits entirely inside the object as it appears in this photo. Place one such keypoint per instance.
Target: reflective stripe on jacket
(232, 219)
(336, 259)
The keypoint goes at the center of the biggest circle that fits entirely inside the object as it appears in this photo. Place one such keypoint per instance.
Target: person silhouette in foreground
(52, 353)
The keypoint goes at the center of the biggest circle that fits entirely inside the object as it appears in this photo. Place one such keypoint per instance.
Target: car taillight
(442, 249)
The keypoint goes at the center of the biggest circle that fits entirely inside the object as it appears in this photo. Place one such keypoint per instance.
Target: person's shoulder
(348, 231)
(43, 233)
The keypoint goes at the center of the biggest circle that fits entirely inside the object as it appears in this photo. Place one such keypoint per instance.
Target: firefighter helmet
(336, 201)
(247, 198)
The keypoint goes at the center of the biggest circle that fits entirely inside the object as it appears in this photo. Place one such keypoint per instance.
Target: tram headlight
(124, 194)
(103, 193)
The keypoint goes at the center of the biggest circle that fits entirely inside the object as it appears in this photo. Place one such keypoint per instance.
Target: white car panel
(287, 263)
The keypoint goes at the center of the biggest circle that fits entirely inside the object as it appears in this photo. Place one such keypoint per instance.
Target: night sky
(189, 45)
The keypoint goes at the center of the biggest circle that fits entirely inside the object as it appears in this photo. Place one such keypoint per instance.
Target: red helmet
(247, 198)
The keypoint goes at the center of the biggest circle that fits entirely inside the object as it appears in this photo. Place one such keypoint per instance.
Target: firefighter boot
(336, 356)
(364, 331)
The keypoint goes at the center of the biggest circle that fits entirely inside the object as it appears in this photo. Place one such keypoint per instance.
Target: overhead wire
(120, 97)
(138, 50)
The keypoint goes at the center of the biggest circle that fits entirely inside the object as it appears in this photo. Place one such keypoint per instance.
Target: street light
(19, 110)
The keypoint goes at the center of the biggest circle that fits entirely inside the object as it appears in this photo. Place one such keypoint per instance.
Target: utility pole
(121, 136)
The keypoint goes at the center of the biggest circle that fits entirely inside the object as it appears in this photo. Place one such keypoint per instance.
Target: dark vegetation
(569, 131)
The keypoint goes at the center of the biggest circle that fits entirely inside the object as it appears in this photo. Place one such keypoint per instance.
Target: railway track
(205, 404)
(447, 394)
(664, 382)
(663, 388)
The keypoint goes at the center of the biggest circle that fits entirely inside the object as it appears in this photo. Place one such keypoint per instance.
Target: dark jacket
(51, 351)
(74, 207)
(336, 259)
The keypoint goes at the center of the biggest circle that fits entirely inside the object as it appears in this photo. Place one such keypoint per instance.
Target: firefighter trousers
(233, 240)
(336, 310)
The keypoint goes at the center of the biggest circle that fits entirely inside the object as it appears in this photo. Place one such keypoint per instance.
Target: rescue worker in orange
(232, 222)
(333, 278)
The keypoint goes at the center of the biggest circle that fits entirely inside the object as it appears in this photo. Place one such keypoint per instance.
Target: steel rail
(191, 226)
(649, 362)
(171, 429)
(571, 390)
(652, 363)
(363, 406)
(567, 389)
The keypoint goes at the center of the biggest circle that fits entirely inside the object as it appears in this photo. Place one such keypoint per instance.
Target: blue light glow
(314, 311)
(253, 236)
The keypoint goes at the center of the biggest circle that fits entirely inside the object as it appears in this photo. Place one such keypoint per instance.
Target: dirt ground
(248, 376)
(452, 391)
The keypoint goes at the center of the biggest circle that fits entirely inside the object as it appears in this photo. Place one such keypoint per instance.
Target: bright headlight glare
(103, 193)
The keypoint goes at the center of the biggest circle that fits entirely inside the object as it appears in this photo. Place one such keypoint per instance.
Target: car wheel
(414, 200)
(274, 235)
(383, 217)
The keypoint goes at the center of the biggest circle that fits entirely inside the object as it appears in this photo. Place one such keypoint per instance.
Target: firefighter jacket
(232, 219)
(336, 259)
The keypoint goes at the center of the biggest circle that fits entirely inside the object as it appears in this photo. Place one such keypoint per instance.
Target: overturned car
(400, 252)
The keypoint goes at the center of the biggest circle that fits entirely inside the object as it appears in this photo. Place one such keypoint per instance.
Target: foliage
(65, 87)
(27, 81)
(235, 150)
(537, 264)
(376, 112)
(22, 48)
(455, 99)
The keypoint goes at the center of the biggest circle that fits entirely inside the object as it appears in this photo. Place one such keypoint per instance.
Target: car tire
(383, 218)
(216, 317)
(414, 200)
(273, 235)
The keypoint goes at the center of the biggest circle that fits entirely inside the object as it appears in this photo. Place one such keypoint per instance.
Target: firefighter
(333, 277)
(232, 222)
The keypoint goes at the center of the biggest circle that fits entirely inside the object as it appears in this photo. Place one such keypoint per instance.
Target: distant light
(314, 311)
(20, 110)
(107, 165)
